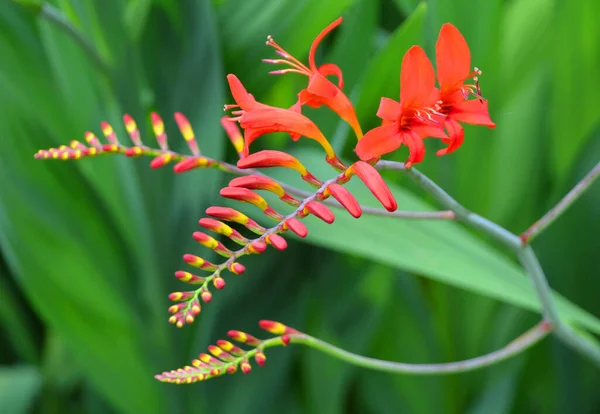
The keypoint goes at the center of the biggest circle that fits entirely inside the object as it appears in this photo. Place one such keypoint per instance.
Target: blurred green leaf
(19, 386)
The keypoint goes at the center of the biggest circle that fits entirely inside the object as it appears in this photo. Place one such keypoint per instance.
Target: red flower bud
(345, 198)
(374, 182)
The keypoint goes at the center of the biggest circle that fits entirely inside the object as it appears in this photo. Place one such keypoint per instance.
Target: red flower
(453, 69)
(320, 90)
(415, 117)
(258, 119)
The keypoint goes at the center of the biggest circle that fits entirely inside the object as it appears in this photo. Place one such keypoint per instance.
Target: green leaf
(19, 387)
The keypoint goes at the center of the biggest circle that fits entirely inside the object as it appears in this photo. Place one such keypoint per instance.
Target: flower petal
(389, 109)
(321, 86)
(430, 130)
(331, 69)
(417, 79)
(416, 147)
(456, 136)
(453, 57)
(473, 112)
(271, 119)
(241, 96)
(379, 141)
(315, 43)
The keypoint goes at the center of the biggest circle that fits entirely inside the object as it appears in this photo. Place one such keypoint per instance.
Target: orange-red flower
(258, 119)
(453, 59)
(320, 90)
(415, 117)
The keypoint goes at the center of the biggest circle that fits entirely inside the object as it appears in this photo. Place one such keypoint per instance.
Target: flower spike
(227, 358)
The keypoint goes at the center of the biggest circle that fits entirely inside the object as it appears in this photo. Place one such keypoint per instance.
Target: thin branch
(524, 252)
(462, 214)
(373, 211)
(531, 264)
(208, 367)
(520, 344)
(556, 211)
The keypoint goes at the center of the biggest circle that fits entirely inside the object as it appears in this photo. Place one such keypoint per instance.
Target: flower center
(423, 115)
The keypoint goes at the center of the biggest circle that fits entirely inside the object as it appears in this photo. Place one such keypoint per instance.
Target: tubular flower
(415, 117)
(453, 59)
(258, 119)
(320, 90)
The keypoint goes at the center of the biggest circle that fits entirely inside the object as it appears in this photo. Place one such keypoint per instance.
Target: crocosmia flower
(258, 119)
(415, 117)
(320, 90)
(453, 60)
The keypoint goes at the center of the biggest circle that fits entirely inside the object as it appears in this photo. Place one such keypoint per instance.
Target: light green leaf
(19, 387)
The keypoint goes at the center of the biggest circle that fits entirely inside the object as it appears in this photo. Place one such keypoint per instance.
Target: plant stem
(520, 344)
(556, 211)
(463, 214)
(531, 264)
(524, 252)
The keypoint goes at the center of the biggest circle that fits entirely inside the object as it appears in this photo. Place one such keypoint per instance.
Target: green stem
(517, 346)
(531, 264)
(462, 214)
(524, 252)
(556, 211)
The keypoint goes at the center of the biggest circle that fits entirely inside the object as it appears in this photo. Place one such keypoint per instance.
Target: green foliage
(88, 248)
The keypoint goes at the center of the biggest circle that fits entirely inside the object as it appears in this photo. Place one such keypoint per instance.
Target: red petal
(416, 78)
(321, 86)
(374, 182)
(331, 69)
(453, 57)
(245, 100)
(315, 43)
(472, 112)
(416, 147)
(389, 109)
(379, 141)
(456, 136)
(430, 130)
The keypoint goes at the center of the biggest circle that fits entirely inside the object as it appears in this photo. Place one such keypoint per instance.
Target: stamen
(230, 106)
(282, 71)
(286, 62)
(290, 60)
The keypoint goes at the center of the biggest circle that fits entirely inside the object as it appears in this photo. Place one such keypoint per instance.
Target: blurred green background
(88, 248)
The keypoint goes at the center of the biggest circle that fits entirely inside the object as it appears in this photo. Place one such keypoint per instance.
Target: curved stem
(520, 344)
(462, 214)
(524, 252)
(561, 206)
